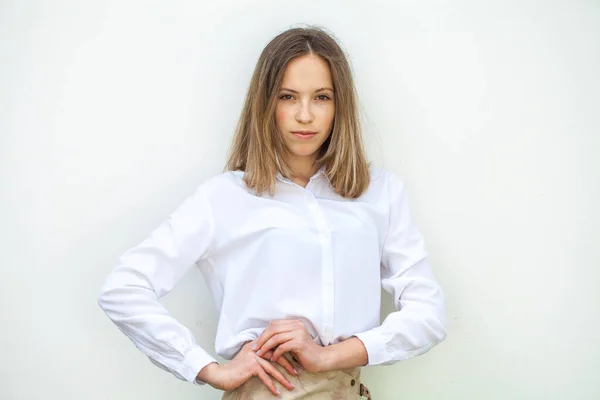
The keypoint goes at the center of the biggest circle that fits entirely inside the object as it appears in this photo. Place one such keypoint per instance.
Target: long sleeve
(149, 271)
(418, 325)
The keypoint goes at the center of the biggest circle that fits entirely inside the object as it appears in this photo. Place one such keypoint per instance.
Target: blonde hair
(258, 147)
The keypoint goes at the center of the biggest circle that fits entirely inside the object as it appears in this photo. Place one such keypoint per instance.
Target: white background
(112, 112)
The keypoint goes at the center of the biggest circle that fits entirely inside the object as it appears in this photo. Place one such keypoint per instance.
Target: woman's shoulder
(384, 185)
(224, 183)
(382, 177)
(377, 173)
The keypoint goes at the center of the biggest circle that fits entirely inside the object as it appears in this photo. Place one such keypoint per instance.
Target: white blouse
(303, 253)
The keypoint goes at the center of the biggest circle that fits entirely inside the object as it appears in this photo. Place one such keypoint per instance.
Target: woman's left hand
(290, 335)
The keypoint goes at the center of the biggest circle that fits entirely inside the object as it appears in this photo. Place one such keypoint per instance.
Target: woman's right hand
(244, 366)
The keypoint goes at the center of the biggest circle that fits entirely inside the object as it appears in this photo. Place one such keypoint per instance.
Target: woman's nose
(304, 114)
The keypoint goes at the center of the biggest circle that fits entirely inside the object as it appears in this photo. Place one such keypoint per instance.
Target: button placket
(327, 268)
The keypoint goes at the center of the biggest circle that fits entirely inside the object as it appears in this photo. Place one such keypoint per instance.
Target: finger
(278, 376)
(266, 356)
(266, 335)
(287, 365)
(275, 341)
(270, 331)
(264, 377)
(282, 361)
(284, 348)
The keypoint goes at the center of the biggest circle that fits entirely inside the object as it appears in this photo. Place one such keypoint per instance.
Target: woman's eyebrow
(316, 91)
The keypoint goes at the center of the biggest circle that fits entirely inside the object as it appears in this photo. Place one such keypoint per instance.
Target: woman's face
(305, 107)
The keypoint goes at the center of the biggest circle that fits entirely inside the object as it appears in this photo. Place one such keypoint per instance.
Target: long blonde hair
(258, 148)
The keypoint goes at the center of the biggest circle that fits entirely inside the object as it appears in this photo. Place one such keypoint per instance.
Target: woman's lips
(304, 134)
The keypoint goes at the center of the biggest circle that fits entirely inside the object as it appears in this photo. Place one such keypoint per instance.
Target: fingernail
(295, 371)
(258, 353)
(278, 392)
(254, 347)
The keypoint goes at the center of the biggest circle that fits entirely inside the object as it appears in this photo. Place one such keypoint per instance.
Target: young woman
(294, 241)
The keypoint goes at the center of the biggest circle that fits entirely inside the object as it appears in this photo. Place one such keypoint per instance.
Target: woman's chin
(303, 152)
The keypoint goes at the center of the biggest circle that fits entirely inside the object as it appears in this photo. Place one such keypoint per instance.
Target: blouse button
(352, 382)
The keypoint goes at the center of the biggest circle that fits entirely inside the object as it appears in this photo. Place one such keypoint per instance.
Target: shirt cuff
(375, 345)
(194, 361)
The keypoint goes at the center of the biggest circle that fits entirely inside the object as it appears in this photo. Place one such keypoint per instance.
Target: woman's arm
(347, 354)
(418, 325)
(149, 271)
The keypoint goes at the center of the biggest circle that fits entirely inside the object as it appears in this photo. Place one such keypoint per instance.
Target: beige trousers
(331, 385)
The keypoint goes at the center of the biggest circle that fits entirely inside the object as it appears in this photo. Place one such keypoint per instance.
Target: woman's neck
(303, 168)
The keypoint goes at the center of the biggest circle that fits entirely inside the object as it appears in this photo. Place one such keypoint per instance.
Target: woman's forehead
(307, 73)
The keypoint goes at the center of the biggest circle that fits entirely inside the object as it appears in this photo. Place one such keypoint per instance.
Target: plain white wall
(111, 112)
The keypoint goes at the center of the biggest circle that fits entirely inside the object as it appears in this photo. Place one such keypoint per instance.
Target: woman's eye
(291, 97)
